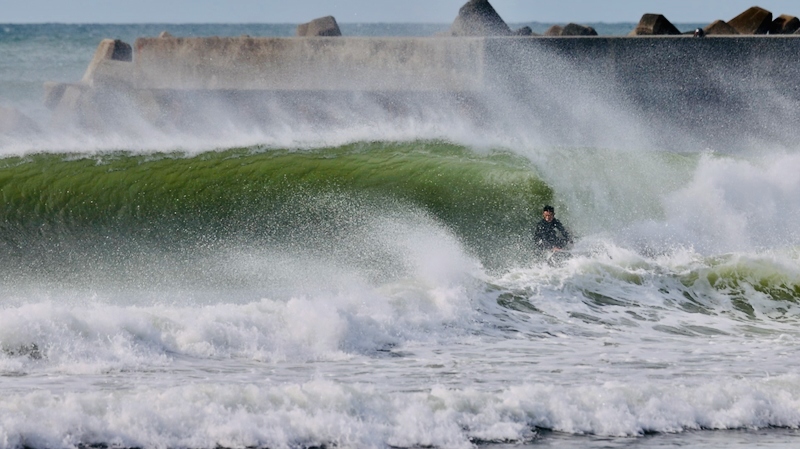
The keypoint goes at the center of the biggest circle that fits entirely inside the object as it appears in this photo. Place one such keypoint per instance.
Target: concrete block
(153, 109)
(524, 31)
(720, 28)
(68, 111)
(53, 93)
(654, 25)
(324, 26)
(755, 20)
(114, 74)
(554, 30)
(478, 18)
(15, 123)
(108, 50)
(785, 24)
(573, 29)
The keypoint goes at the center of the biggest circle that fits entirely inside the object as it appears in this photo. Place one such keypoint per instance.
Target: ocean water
(370, 281)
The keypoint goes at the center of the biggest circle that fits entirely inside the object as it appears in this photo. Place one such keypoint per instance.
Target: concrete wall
(321, 64)
(460, 64)
(654, 63)
(717, 87)
(720, 91)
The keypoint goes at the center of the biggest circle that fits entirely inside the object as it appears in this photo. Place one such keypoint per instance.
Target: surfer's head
(548, 213)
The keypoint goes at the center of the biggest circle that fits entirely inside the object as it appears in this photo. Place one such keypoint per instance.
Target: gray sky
(349, 11)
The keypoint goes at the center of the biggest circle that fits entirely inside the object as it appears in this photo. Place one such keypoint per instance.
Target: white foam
(732, 205)
(323, 412)
(314, 307)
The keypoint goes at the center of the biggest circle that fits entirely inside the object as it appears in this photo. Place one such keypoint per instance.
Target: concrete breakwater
(720, 84)
(703, 84)
(191, 83)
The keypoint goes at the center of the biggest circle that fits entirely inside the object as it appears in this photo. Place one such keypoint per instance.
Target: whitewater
(373, 283)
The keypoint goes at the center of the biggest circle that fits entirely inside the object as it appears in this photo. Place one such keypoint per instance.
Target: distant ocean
(373, 283)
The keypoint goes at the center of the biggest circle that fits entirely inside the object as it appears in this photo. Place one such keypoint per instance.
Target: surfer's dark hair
(549, 209)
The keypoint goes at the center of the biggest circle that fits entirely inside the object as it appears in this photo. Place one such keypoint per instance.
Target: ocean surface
(372, 282)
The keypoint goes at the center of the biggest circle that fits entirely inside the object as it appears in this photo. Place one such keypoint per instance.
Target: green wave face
(62, 205)
(747, 281)
(745, 287)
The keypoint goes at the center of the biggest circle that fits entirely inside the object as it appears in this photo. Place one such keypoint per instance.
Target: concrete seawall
(690, 82)
(330, 64)
(718, 92)
(452, 64)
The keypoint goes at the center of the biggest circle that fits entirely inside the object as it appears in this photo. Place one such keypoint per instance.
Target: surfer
(550, 234)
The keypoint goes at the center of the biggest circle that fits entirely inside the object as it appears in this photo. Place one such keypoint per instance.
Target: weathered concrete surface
(570, 29)
(434, 64)
(554, 30)
(53, 92)
(524, 31)
(720, 28)
(323, 64)
(93, 102)
(108, 50)
(720, 90)
(654, 25)
(574, 29)
(785, 24)
(676, 62)
(755, 20)
(324, 26)
(479, 18)
(15, 123)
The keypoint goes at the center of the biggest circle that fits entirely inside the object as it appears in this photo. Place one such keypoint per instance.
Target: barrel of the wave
(178, 199)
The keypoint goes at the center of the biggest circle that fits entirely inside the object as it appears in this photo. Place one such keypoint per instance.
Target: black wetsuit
(549, 235)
